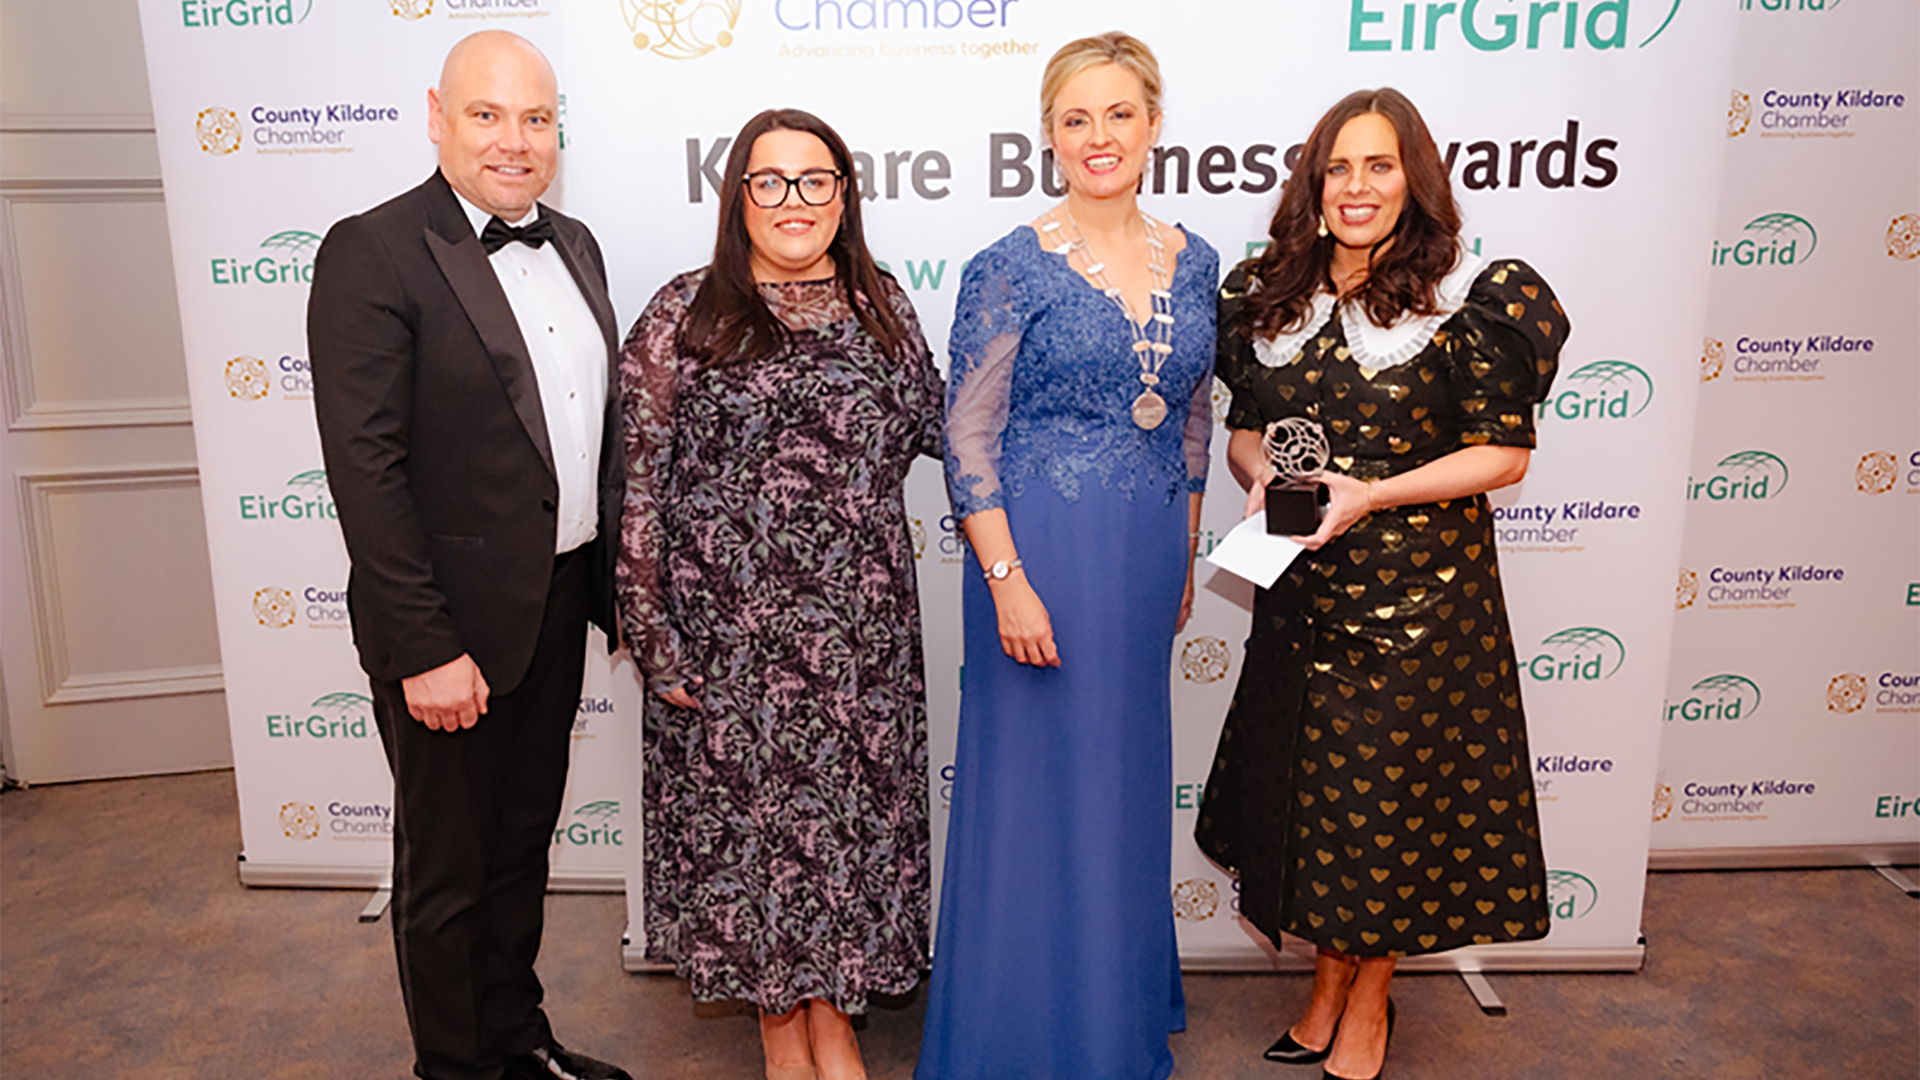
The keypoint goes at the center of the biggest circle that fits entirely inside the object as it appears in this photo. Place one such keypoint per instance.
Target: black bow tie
(499, 234)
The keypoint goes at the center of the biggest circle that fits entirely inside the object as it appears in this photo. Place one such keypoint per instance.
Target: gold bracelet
(1371, 504)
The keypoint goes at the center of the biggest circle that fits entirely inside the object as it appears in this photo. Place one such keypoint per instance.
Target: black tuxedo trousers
(474, 814)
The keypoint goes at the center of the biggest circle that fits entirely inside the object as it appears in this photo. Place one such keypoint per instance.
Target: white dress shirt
(569, 365)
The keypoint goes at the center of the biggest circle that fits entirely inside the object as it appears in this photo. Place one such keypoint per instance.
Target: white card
(1248, 552)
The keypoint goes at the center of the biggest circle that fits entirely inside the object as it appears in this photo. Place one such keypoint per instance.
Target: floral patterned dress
(766, 565)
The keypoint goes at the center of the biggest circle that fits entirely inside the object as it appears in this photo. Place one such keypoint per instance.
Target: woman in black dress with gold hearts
(1372, 788)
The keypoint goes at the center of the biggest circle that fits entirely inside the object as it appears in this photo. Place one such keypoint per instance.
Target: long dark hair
(1402, 275)
(728, 322)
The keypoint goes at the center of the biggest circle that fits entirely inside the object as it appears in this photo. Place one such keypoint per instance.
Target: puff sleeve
(1504, 353)
(1233, 359)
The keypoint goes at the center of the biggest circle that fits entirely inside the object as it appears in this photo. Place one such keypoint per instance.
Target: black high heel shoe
(1325, 1075)
(1288, 1052)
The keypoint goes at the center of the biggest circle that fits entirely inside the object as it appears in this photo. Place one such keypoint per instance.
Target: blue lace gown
(1055, 955)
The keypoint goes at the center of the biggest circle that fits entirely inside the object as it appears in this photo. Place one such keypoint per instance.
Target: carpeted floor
(128, 951)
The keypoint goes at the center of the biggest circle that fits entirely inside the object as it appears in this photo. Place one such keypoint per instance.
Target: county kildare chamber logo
(242, 14)
(1725, 697)
(1430, 25)
(1571, 894)
(286, 259)
(953, 545)
(1903, 237)
(1560, 527)
(1774, 586)
(1552, 771)
(289, 129)
(218, 130)
(1743, 476)
(591, 708)
(1881, 471)
(314, 606)
(1744, 798)
(1686, 590)
(1876, 473)
(1204, 660)
(917, 536)
(306, 498)
(1578, 654)
(1888, 692)
(1603, 390)
(416, 10)
(594, 824)
(1196, 899)
(338, 717)
(273, 607)
(1807, 112)
(1739, 115)
(1770, 240)
(337, 820)
(1782, 358)
(251, 378)
(689, 29)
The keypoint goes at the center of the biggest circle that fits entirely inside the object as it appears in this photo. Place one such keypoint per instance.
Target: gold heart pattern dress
(1372, 789)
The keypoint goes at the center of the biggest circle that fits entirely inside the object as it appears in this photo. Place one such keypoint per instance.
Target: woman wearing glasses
(773, 402)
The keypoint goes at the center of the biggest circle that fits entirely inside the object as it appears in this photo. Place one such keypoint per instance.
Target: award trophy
(1297, 447)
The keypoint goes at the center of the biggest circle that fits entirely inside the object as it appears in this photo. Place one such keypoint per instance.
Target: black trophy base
(1293, 511)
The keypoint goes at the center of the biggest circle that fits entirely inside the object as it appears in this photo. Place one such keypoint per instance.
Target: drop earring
(1323, 223)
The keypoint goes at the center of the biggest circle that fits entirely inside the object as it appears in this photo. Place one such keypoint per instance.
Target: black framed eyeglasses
(817, 187)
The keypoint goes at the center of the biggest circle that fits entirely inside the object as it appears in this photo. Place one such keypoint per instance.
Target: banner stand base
(1804, 857)
(376, 905)
(633, 957)
(1483, 994)
(1299, 957)
(1900, 880)
(305, 876)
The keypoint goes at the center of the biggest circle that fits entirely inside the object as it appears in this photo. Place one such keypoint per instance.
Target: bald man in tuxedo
(463, 345)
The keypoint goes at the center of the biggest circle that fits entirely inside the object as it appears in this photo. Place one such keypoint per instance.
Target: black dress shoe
(1382, 1071)
(554, 1062)
(1288, 1052)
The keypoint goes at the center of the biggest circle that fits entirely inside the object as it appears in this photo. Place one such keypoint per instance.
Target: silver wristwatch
(999, 571)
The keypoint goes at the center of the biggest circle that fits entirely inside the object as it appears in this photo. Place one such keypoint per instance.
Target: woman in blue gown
(1079, 412)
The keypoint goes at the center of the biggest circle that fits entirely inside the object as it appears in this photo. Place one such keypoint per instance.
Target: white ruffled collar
(1376, 348)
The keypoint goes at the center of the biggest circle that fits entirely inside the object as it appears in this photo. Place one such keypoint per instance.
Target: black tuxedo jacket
(435, 441)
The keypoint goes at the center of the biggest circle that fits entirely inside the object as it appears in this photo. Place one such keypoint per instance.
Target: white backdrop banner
(276, 119)
(1585, 138)
(1792, 721)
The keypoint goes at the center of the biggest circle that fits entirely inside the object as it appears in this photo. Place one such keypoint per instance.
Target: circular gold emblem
(1847, 693)
(1662, 802)
(1739, 114)
(300, 821)
(1713, 357)
(1204, 660)
(917, 532)
(218, 130)
(1222, 400)
(273, 607)
(247, 378)
(411, 9)
(686, 28)
(1687, 591)
(1196, 899)
(1903, 237)
(1875, 473)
